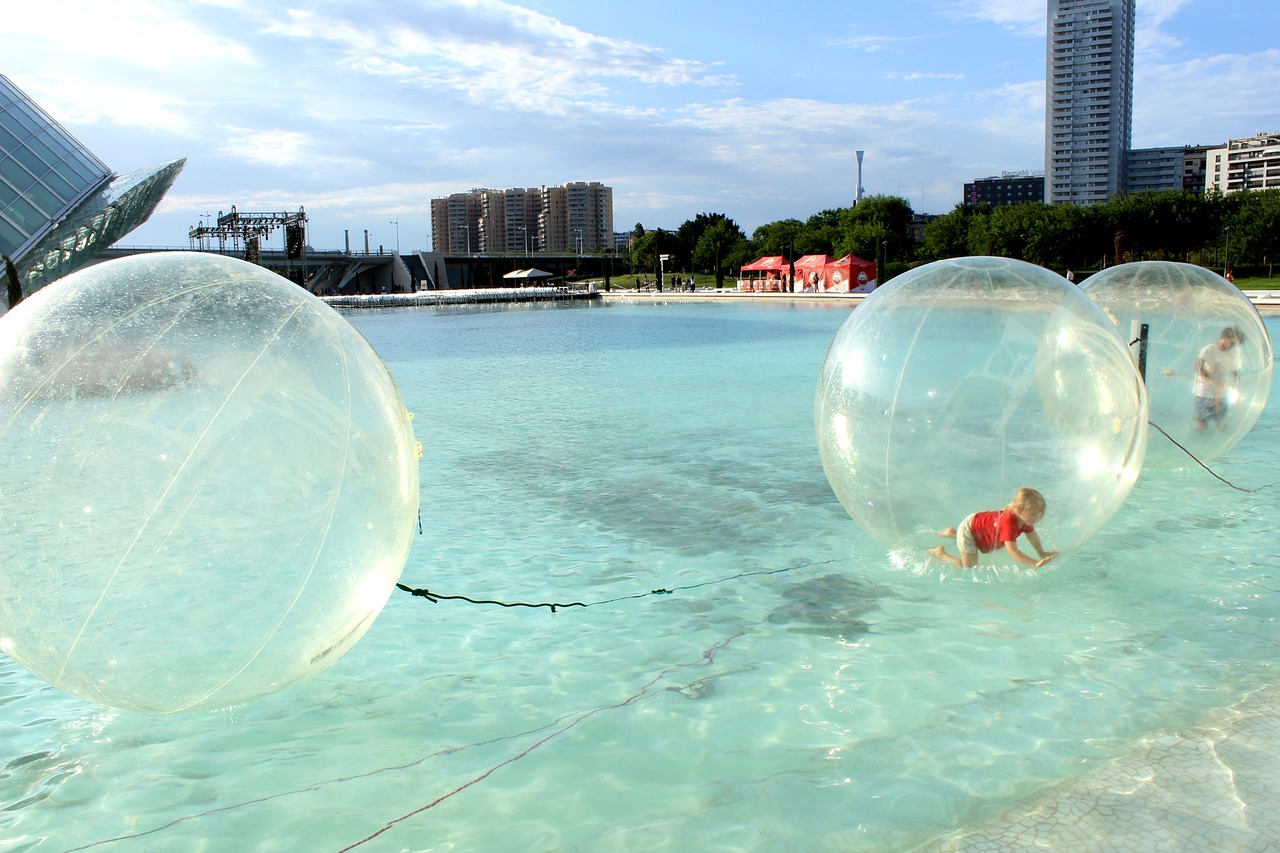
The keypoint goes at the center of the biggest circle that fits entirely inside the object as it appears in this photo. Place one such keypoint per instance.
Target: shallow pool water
(794, 687)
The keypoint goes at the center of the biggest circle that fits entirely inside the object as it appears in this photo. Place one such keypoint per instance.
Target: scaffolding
(238, 233)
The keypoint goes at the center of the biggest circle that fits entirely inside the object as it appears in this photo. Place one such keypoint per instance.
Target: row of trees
(879, 227)
(1240, 230)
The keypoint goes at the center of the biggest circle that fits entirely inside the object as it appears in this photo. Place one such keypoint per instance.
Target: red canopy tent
(770, 271)
(850, 274)
(811, 272)
(767, 263)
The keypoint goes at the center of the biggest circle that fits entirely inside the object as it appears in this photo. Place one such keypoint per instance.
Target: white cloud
(1185, 103)
(142, 33)
(76, 100)
(871, 43)
(1023, 17)
(497, 53)
(913, 76)
(268, 147)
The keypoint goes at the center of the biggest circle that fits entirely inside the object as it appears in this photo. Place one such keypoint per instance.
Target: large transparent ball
(209, 483)
(1186, 310)
(963, 380)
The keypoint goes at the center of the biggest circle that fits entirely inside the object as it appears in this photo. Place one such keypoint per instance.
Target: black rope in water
(1206, 467)
(1141, 332)
(435, 597)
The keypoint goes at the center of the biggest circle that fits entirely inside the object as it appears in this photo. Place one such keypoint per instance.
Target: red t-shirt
(993, 528)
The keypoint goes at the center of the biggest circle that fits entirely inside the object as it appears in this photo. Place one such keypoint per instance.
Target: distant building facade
(576, 216)
(1154, 169)
(1088, 99)
(1249, 163)
(455, 222)
(1163, 169)
(59, 204)
(1009, 188)
(1194, 168)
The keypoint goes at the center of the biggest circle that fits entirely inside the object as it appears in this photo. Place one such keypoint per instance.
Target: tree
(821, 232)
(779, 238)
(716, 244)
(647, 251)
(1255, 228)
(948, 236)
(879, 224)
(691, 231)
(14, 287)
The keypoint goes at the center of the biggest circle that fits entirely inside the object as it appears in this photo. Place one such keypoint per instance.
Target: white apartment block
(1088, 99)
(1251, 163)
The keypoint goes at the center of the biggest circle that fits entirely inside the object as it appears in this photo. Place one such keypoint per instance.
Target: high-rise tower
(1088, 113)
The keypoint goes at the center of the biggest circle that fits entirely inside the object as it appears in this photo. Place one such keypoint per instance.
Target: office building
(1088, 99)
(59, 204)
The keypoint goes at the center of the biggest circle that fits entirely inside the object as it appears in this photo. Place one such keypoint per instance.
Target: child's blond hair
(1027, 499)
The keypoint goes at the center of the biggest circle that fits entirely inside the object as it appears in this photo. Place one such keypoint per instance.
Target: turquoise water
(799, 690)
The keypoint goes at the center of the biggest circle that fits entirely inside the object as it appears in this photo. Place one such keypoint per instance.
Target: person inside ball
(1217, 374)
(984, 532)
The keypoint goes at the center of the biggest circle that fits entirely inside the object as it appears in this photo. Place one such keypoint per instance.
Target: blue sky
(361, 112)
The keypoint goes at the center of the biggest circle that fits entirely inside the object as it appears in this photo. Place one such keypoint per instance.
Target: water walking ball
(963, 380)
(1180, 319)
(209, 483)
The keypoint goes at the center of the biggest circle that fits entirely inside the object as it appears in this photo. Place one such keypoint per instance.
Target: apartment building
(571, 217)
(1088, 99)
(1250, 163)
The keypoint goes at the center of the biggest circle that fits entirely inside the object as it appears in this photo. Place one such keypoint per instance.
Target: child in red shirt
(985, 531)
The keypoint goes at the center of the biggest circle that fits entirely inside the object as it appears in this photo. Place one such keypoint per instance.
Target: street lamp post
(578, 231)
(396, 223)
(526, 239)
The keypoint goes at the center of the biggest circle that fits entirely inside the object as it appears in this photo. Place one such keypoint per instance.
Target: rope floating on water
(561, 727)
(1206, 467)
(435, 597)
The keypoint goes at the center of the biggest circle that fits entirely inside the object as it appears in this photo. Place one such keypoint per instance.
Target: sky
(362, 111)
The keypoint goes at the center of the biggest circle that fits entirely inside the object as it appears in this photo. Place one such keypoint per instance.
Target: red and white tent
(811, 273)
(850, 274)
(765, 273)
(768, 263)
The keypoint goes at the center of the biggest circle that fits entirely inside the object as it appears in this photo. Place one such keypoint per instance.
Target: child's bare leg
(941, 553)
(949, 533)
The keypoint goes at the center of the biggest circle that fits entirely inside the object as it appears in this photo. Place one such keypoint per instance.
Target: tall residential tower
(1088, 99)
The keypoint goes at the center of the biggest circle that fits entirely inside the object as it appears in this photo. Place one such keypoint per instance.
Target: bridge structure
(338, 272)
(246, 235)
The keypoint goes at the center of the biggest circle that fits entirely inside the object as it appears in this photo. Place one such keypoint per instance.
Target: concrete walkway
(1214, 788)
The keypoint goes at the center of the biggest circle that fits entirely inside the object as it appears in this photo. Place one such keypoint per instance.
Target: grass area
(1258, 282)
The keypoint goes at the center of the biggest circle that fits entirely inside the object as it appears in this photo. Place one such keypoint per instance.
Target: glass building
(59, 204)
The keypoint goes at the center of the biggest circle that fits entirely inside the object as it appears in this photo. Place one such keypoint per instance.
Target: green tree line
(1240, 230)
